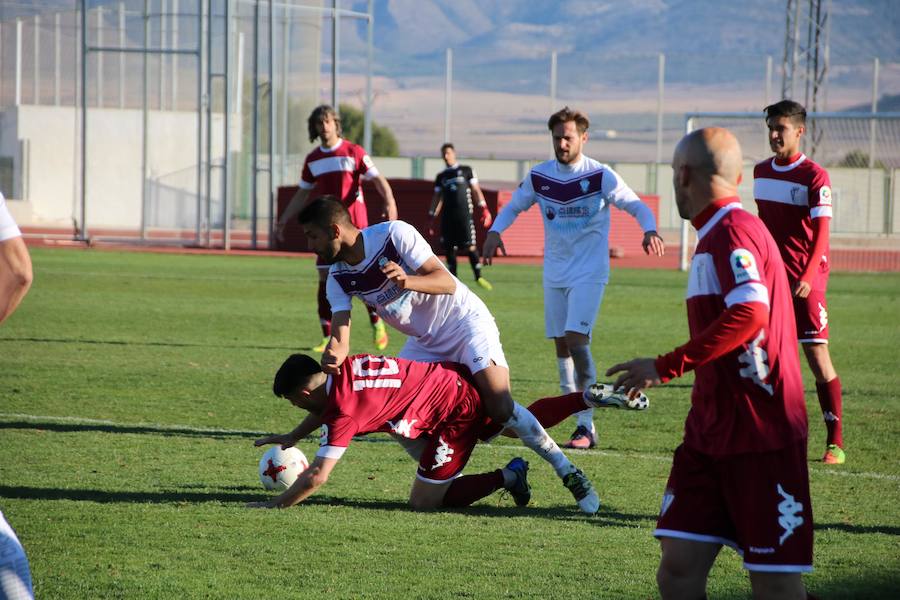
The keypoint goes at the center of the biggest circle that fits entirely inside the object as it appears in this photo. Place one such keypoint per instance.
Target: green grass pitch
(133, 385)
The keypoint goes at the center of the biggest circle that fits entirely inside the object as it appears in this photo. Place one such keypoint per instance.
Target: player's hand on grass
(638, 374)
(802, 289)
(653, 244)
(491, 243)
(394, 272)
(285, 439)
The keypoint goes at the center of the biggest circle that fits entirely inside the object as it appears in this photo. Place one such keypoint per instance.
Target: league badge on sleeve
(744, 266)
(825, 195)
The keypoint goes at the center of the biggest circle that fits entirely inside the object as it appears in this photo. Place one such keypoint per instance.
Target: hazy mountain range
(506, 44)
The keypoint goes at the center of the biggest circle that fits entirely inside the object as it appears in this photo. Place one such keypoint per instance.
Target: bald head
(707, 165)
(712, 151)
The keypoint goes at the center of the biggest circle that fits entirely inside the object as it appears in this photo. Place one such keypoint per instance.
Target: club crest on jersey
(825, 195)
(796, 191)
(585, 184)
(743, 266)
(550, 213)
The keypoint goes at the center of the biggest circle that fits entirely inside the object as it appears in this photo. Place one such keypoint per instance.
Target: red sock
(555, 410)
(467, 489)
(831, 402)
(373, 316)
(548, 411)
(324, 310)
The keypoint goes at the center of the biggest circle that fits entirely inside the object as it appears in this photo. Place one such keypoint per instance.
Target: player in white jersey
(391, 266)
(15, 576)
(15, 263)
(574, 193)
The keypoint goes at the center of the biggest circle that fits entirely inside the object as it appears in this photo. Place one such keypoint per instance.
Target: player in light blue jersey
(574, 194)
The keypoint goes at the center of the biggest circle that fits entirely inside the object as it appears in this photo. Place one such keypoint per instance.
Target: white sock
(533, 435)
(586, 373)
(585, 418)
(566, 369)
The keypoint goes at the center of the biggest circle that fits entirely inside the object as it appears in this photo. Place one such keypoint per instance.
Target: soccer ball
(278, 469)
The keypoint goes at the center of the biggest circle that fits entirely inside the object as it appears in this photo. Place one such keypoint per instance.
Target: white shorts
(474, 343)
(8, 227)
(572, 308)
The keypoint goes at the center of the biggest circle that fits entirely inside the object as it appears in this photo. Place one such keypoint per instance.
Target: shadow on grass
(144, 343)
(243, 494)
(133, 429)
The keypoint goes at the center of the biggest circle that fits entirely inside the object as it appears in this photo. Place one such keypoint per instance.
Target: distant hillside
(506, 44)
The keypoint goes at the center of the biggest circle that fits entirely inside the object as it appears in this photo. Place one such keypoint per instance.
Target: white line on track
(497, 447)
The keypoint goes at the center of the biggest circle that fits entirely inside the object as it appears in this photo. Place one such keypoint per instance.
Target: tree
(353, 124)
(858, 159)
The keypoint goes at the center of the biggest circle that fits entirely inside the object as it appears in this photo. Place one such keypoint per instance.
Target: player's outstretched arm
(339, 345)
(390, 205)
(636, 375)
(305, 486)
(430, 278)
(15, 275)
(287, 440)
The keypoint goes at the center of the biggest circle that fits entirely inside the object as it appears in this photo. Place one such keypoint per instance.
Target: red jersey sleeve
(307, 180)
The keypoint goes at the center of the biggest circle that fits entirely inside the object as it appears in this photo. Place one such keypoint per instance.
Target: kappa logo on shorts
(823, 318)
(585, 324)
(743, 265)
(442, 454)
(402, 427)
(789, 518)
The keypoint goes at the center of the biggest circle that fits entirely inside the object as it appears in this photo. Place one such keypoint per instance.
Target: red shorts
(757, 503)
(450, 446)
(811, 314)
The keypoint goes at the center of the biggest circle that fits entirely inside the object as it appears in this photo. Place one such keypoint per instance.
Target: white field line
(494, 447)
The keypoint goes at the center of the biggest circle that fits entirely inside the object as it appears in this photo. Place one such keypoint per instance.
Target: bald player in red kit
(740, 477)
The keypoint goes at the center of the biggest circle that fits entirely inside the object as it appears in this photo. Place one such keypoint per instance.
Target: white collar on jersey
(784, 168)
(333, 148)
(571, 167)
(716, 218)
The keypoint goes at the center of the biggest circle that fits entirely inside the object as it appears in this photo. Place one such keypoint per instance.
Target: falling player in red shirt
(740, 476)
(794, 198)
(434, 409)
(335, 168)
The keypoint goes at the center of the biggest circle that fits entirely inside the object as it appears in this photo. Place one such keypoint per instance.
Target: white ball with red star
(278, 469)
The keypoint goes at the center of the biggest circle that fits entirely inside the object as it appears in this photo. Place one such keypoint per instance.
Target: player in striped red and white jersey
(336, 168)
(794, 198)
(434, 409)
(740, 476)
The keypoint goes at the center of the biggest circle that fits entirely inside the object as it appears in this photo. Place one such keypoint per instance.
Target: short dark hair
(566, 114)
(294, 372)
(447, 145)
(324, 212)
(317, 116)
(786, 108)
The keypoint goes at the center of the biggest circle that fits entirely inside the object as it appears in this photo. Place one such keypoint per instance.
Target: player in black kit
(452, 202)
